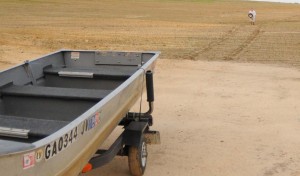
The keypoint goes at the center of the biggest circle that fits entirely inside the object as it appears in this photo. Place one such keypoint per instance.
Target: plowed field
(227, 93)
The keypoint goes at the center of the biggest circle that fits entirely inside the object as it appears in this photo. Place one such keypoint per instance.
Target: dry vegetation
(196, 30)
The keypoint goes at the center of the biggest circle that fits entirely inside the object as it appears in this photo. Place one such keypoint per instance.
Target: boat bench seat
(37, 127)
(103, 73)
(55, 92)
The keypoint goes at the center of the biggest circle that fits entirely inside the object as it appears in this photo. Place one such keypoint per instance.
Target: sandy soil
(219, 118)
(228, 118)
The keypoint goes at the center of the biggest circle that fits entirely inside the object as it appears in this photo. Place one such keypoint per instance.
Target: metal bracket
(152, 137)
(14, 132)
(29, 72)
(76, 74)
(131, 136)
(118, 58)
(134, 132)
(109, 154)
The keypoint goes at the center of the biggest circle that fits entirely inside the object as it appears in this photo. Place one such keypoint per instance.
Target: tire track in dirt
(226, 36)
(279, 168)
(195, 53)
(243, 45)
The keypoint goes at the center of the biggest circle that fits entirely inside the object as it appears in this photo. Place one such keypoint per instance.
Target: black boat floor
(37, 127)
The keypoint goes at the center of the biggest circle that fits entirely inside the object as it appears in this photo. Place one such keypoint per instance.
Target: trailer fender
(134, 132)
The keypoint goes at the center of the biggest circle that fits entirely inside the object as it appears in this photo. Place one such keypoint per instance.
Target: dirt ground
(227, 93)
(220, 118)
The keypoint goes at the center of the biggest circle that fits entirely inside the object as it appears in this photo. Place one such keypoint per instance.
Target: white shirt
(253, 13)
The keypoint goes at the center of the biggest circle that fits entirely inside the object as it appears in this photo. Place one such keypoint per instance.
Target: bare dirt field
(227, 93)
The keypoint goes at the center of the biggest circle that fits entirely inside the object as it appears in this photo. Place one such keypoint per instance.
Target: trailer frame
(136, 135)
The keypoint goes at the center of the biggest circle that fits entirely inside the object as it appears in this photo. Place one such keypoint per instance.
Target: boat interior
(40, 97)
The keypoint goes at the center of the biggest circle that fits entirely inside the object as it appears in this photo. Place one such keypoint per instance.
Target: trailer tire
(137, 158)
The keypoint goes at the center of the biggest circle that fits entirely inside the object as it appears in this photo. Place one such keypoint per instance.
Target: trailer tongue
(57, 110)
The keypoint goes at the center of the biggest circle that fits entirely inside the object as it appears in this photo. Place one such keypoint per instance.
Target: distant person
(252, 16)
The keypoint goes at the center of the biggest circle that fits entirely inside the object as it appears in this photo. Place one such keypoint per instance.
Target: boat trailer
(133, 140)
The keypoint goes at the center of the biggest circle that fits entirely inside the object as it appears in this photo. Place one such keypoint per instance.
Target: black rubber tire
(137, 158)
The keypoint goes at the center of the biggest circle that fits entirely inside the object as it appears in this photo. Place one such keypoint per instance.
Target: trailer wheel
(137, 158)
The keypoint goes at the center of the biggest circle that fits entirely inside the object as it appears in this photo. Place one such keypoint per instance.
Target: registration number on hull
(62, 143)
(67, 139)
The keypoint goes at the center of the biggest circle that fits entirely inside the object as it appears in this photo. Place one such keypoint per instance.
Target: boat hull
(66, 151)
